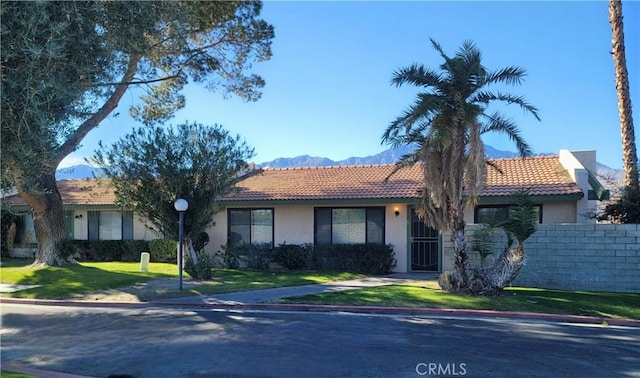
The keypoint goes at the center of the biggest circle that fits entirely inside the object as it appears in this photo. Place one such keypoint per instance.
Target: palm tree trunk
(629, 154)
(492, 279)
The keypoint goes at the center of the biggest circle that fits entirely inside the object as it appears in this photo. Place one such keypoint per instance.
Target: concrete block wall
(593, 257)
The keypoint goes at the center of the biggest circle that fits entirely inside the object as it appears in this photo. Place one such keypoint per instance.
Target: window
(25, 234)
(250, 226)
(69, 216)
(497, 213)
(110, 225)
(349, 225)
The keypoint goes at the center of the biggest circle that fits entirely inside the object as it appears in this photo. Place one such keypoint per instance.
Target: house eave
(318, 202)
(495, 200)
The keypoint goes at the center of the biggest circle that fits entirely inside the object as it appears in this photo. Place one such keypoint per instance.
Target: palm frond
(421, 113)
(470, 56)
(511, 75)
(417, 75)
(498, 123)
(523, 217)
(407, 160)
(486, 97)
(494, 166)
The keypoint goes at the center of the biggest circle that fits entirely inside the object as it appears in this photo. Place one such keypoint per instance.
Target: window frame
(330, 209)
(506, 208)
(251, 210)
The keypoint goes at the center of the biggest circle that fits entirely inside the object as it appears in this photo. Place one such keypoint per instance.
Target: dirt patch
(142, 292)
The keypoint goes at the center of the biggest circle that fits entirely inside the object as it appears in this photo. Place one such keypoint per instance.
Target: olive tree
(66, 65)
(153, 166)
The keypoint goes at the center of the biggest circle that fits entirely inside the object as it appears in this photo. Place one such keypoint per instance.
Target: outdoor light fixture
(397, 211)
(181, 206)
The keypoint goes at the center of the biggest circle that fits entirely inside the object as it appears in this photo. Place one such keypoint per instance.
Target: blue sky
(328, 89)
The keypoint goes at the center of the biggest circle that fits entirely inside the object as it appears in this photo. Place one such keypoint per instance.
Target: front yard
(89, 277)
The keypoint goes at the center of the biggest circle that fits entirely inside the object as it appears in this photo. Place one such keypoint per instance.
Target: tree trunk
(492, 279)
(187, 250)
(629, 153)
(192, 255)
(48, 219)
(457, 280)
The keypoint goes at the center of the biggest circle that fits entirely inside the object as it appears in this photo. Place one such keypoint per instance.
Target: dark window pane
(491, 215)
(68, 223)
(239, 226)
(127, 225)
(93, 221)
(323, 226)
(375, 225)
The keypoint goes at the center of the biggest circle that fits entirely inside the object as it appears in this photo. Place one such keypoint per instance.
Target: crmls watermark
(439, 369)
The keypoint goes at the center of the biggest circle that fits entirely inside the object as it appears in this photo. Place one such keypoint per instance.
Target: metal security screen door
(425, 246)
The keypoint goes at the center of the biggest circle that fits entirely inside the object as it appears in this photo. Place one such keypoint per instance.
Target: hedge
(358, 258)
(109, 250)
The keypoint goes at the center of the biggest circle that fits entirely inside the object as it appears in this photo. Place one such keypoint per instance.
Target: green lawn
(427, 294)
(10, 374)
(65, 282)
(86, 277)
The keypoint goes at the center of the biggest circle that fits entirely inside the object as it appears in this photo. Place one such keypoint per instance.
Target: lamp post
(181, 206)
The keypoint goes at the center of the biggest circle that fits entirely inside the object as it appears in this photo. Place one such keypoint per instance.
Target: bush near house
(163, 250)
(357, 258)
(109, 250)
(293, 256)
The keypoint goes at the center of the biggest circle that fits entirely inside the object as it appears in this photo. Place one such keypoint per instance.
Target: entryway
(425, 246)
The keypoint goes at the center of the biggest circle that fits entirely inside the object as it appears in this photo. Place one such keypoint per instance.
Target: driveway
(206, 343)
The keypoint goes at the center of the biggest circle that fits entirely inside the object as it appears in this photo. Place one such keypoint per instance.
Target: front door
(425, 246)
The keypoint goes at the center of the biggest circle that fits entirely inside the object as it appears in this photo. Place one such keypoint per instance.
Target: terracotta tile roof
(337, 182)
(544, 175)
(78, 192)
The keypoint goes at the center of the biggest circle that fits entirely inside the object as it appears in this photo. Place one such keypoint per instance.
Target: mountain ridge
(388, 156)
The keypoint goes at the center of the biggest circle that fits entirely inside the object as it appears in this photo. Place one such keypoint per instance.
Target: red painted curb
(335, 308)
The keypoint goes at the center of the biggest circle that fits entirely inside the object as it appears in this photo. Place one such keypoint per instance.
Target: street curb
(413, 311)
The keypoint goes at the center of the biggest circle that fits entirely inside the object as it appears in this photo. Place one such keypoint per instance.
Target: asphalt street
(100, 342)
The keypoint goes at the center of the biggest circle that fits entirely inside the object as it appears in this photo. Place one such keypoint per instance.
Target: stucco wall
(596, 257)
(140, 229)
(293, 224)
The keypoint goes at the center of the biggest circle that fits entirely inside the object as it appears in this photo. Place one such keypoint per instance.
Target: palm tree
(629, 155)
(446, 122)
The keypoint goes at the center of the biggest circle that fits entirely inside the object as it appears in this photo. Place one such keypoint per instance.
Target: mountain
(76, 172)
(389, 156)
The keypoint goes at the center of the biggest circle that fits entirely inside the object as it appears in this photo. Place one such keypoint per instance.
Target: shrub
(358, 258)
(258, 256)
(228, 257)
(291, 256)
(163, 250)
(109, 250)
(205, 267)
(251, 256)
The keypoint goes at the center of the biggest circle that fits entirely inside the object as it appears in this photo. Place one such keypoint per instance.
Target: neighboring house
(90, 213)
(351, 204)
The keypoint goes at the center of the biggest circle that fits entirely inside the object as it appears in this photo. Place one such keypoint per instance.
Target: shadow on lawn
(67, 281)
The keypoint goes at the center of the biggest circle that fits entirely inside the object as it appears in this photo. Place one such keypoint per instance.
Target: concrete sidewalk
(266, 295)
